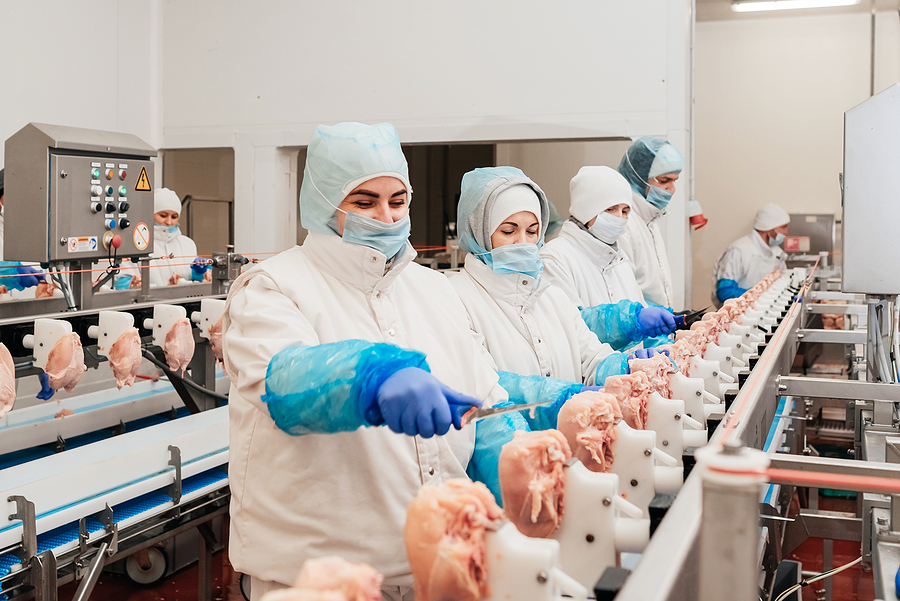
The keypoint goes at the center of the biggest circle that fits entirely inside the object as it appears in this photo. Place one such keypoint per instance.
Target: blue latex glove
(46, 392)
(591, 388)
(28, 279)
(198, 268)
(122, 282)
(648, 353)
(414, 402)
(656, 321)
(726, 289)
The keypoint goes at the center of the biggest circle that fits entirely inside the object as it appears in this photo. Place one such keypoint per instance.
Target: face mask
(658, 197)
(386, 238)
(607, 227)
(164, 232)
(515, 258)
(777, 240)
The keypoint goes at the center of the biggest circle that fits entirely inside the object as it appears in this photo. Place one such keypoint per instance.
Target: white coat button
(524, 282)
(539, 340)
(431, 471)
(547, 374)
(373, 259)
(378, 294)
(391, 332)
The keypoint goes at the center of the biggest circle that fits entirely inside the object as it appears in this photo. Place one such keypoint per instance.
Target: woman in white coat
(327, 340)
(529, 327)
(652, 167)
(751, 258)
(586, 262)
(174, 254)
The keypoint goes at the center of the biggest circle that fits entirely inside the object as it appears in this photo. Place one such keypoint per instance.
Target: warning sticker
(143, 183)
(83, 244)
(141, 236)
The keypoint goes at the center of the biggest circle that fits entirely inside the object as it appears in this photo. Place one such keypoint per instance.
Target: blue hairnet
(331, 387)
(341, 157)
(490, 436)
(533, 389)
(480, 188)
(649, 157)
(616, 324)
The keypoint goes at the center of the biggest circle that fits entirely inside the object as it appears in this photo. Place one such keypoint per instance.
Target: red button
(116, 241)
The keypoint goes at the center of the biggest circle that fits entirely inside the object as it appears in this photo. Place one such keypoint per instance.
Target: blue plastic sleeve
(9, 268)
(615, 324)
(532, 389)
(613, 365)
(657, 341)
(726, 289)
(331, 387)
(490, 436)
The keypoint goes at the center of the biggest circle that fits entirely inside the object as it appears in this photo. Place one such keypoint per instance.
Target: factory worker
(652, 167)
(168, 241)
(326, 342)
(530, 327)
(751, 258)
(586, 263)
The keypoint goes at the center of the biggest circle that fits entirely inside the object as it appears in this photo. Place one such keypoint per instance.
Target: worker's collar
(764, 248)
(644, 209)
(516, 289)
(359, 266)
(599, 253)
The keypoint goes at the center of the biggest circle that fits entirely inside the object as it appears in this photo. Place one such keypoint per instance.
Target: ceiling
(718, 10)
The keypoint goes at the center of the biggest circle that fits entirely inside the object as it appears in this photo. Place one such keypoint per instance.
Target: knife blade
(476, 414)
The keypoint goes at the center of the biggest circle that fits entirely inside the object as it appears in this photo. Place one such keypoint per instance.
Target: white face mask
(608, 228)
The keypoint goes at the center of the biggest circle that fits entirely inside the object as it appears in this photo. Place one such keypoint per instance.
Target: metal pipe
(87, 584)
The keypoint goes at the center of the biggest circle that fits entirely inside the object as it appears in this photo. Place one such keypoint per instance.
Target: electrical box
(70, 191)
(871, 196)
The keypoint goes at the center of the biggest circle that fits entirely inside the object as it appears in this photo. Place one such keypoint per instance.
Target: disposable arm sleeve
(331, 387)
(532, 389)
(614, 365)
(726, 289)
(490, 436)
(615, 324)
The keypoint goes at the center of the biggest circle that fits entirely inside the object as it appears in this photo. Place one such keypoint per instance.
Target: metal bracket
(174, 489)
(42, 570)
(25, 512)
(105, 517)
(60, 444)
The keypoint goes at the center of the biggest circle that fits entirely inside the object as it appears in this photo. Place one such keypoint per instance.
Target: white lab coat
(644, 246)
(1, 233)
(296, 497)
(184, 251)
(588, 270)
(529, 329)
(748, 260)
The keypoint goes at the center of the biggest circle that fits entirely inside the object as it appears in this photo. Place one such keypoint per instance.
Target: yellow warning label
(143, 183)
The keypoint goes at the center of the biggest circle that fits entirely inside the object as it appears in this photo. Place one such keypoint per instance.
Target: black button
(124, 223)
(110, 207)
(123, 207)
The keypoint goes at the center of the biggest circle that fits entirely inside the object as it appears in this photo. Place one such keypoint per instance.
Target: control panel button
(123, 207)
(109, 191)
(123, 191)
(96, 207)
(122, 174)
(110, 207)
(110, 224)
(96, 190)
(109, 174)
(95, 173)
(124, 223)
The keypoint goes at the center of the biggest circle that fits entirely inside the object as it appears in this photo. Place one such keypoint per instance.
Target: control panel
(75, 194)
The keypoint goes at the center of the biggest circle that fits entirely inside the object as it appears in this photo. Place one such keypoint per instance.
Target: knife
(684, 320)
(475, 414)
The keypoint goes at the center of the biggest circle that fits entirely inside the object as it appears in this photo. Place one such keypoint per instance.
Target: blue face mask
(777, 240)
(386, 238)
(515, 258)
(658, 197)
(172, 229)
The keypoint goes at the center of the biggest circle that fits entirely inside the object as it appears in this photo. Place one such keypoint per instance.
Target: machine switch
(109, 174)
(123, 207)
(110, 224)
(123, 191)
(124, 223)
(96, 207)
(109, 190)
(95, 173)
(122, 174)
(110, 207)
(96, 190)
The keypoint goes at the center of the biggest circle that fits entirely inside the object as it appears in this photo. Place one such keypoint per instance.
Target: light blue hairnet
(339, 158)
(649, 157)
(480, 188)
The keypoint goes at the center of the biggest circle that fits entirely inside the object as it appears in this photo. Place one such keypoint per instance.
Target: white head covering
(594, 189)
(771, 216)
(513, 200)
(166, 200)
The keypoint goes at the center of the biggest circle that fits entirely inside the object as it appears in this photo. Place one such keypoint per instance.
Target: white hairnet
(341, 157)
(166, 200)
(771, 216)
(514, 200)
(594, 189)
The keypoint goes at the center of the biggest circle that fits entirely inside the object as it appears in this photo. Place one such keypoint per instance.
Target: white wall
(260, 76)
(770, 100)
(92, 63)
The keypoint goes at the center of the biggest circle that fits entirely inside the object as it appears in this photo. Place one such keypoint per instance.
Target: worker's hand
(173, 279)
(207, 277)
(656, 321)
(46, 392)
(414, 402)
(28, 277)
(136, 281)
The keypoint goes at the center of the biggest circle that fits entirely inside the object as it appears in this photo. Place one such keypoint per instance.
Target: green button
(122, 191)
(95, 173)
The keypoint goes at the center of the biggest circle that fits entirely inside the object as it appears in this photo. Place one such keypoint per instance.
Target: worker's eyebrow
(364, 193)
(398, 193)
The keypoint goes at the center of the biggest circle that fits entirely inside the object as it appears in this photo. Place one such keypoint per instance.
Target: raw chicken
(296, 594)
(445, 540)
(7, 380)
(215, 338)
(125, 358)
(44, 289)
(65, 365)
(681, 352)
(631, 390)
(355, 582)
(532, 480)
(64, 413)
(179, 345)
(658, 367)
(588, 421)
